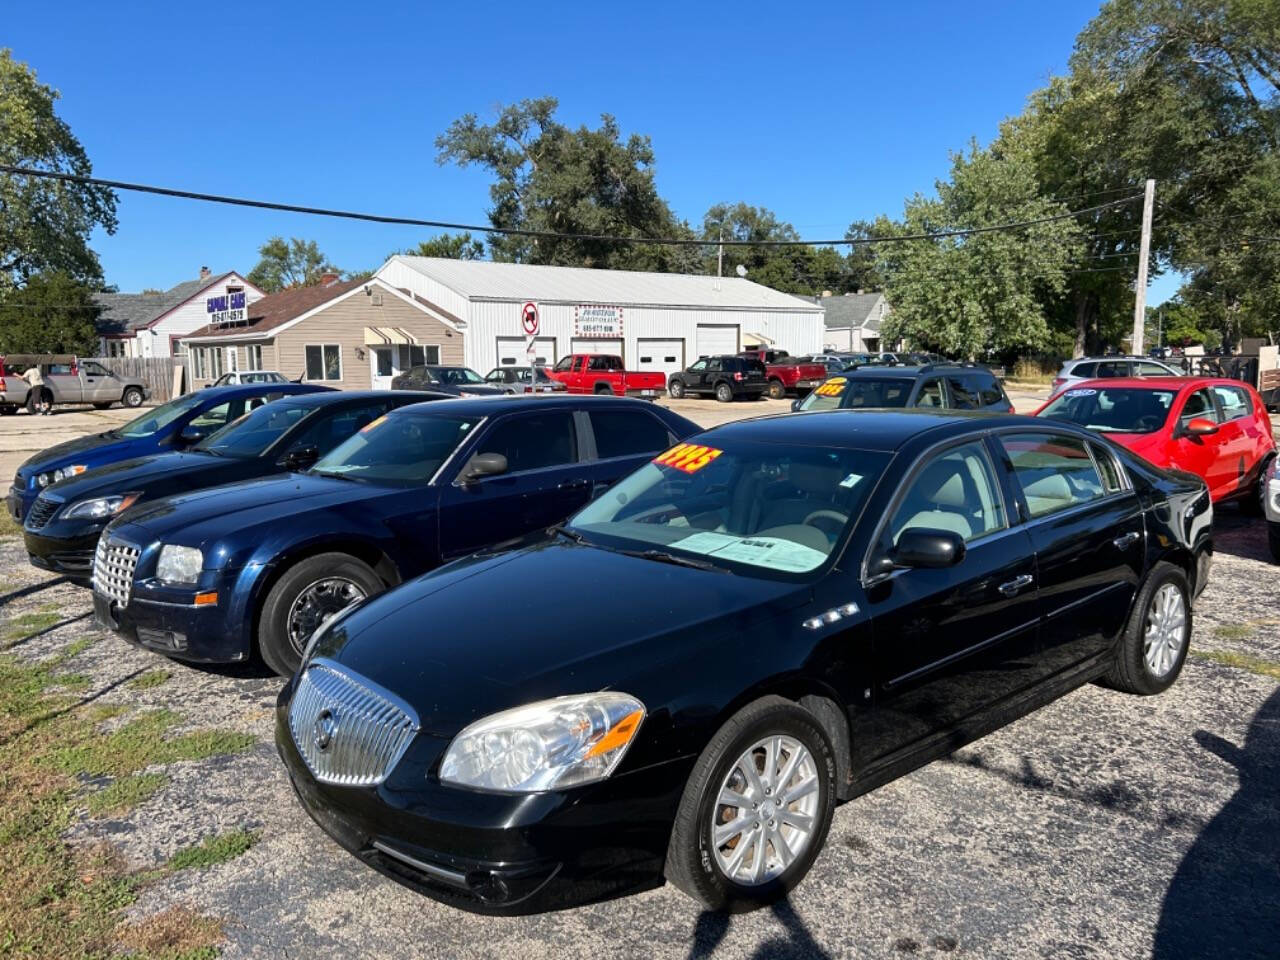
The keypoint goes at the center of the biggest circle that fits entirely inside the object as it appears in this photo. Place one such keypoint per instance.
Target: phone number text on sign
(689, 457)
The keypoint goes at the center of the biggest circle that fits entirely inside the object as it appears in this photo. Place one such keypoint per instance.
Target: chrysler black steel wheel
(304, 597)
(756, 809)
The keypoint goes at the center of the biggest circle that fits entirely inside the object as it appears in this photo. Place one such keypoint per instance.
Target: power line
(535, 234)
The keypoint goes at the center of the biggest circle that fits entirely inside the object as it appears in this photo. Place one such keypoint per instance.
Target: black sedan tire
(1156, 639)
(303, 598)
(676, 389)
(756, 809)
(724, 392)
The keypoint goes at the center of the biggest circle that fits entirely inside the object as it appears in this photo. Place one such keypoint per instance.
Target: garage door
(511, 352)
(611, 347)
(717, 338)
(664, 356)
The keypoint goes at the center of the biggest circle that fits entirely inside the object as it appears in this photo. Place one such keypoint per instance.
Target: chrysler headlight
(179, 564)
(101, 507)
(547, 745)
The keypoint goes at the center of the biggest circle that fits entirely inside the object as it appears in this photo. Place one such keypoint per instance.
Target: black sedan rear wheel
(756, 809)
(306, 595)
(1157, 636)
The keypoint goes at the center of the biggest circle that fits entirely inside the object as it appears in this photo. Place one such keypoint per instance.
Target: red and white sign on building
(598, 320)
(529, 318)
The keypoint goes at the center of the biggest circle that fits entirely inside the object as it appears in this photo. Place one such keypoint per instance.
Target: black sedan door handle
(1017, 583)
(1126, 541)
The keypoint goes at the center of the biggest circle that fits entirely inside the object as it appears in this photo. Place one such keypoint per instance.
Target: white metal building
(655, 321)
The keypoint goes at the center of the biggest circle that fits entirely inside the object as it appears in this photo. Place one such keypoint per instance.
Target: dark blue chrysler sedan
(175, 425)
(211, 576)
(62, 529)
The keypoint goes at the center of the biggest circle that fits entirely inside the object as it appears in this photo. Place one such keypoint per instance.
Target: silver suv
(1098, 368)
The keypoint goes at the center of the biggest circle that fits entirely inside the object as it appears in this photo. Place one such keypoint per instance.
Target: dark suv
(725, 377)
(943, 385)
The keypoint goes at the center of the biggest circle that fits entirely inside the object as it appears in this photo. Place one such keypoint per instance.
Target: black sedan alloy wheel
(756, 809)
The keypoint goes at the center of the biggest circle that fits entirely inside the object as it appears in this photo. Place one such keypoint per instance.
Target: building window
(418, 355)
(215, 363)
(324, 361)
(253, 353)
(197, 363)
(233, 358)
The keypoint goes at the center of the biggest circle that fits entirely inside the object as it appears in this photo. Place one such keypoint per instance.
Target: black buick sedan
(685, 679)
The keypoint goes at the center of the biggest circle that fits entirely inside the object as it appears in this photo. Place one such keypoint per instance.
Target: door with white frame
(233, 360)
(383, 367)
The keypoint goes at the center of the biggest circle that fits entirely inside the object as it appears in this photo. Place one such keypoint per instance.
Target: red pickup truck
(602, 373)
(787, 375)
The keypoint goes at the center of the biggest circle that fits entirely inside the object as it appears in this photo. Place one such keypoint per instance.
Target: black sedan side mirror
(192, 434)
(484, 465)
(927, 548)
(300, 458)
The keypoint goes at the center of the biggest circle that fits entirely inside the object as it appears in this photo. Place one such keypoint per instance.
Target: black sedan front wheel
(305, 596)
(756, 809)
(1155, 642)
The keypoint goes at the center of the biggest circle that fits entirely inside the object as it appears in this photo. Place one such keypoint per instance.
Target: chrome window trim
(456, 450)
(911, 474)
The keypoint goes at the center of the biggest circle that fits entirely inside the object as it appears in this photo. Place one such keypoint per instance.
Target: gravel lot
(1101, 826)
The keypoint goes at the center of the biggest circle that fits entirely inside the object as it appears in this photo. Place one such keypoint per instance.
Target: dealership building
(654, 321)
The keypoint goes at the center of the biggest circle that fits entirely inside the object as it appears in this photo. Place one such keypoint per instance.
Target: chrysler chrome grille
(113, 566)
(41, 511)
(349, 730)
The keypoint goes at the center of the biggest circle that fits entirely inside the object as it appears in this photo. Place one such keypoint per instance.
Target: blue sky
(824, 113)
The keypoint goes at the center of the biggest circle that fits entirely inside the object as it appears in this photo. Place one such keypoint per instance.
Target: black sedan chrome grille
(113, 566)
(349, 730)
(41, 511)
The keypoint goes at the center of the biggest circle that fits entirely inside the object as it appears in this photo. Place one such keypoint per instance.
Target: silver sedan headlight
(101, 507)
(548, 745)
(179, 564)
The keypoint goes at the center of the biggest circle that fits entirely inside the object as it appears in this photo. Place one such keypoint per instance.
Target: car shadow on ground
(796, 942)
(1224, 900)
(1239, 534)
(32, 588)
(66, 708)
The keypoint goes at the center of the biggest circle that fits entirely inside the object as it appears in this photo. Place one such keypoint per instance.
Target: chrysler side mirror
(927, 548)
(300, 458)
(484, 465)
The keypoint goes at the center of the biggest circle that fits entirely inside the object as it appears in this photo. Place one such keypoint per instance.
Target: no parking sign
(529, 318)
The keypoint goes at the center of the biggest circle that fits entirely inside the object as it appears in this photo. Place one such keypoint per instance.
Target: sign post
(530, 322)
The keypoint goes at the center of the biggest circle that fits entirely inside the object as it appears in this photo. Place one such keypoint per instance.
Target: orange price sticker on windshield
(689, 457)
(832, 388)
(369, 426)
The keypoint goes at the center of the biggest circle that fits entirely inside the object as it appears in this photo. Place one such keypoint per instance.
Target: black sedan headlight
(99, 508)
(548, 745)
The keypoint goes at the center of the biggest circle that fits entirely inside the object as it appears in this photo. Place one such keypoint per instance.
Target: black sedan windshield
(160, 417)
(1113, 409)
(254, 432)
(858, 392)
(457, 375)
(749, 507)
(405, 448)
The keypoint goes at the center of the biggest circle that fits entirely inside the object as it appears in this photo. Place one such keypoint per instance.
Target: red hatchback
(1215, 428)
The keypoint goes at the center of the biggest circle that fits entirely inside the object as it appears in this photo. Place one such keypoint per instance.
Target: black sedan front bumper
(69, 556)
(493, 853)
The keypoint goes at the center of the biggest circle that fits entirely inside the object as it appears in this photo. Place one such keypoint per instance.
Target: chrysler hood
(496, 631)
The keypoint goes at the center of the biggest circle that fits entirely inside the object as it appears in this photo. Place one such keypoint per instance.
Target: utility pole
(720, 255)
(1144, 252)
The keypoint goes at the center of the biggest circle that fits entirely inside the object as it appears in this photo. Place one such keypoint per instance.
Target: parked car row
(544, 650)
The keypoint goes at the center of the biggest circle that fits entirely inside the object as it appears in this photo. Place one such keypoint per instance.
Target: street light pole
(1144, 251)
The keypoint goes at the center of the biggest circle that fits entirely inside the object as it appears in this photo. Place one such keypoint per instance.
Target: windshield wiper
(661, 556)
(564, 531)
(337, 476)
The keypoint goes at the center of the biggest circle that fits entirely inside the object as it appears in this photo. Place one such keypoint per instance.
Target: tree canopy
(44, 224)
(451, 246)
(50, 313)
(292, 263)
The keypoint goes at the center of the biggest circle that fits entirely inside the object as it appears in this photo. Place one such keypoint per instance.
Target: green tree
(50, 313)
(44, 224)
(984, 292)
(550, 178)
(293, 263)
(451, 246)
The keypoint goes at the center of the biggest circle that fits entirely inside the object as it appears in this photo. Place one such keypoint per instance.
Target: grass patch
(1233, 631)
(29, 624)
(77, 648)
(150, 679)
(214, 850)
(178, 933)
(8, 526)
(58, 902)
(125, 793)
(1263, 668)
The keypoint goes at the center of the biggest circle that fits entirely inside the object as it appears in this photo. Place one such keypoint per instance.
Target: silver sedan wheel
(316, 603)
(766, 811)
(1166, 631)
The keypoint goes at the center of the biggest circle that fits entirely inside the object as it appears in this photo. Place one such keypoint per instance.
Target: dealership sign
(228, 308)
(597, 320)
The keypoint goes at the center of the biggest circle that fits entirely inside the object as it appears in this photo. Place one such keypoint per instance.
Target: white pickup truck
(69, 381)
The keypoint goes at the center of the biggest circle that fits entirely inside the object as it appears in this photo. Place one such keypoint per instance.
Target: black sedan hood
(496, 631)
